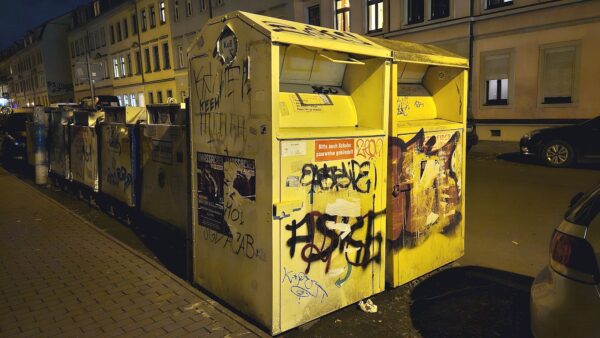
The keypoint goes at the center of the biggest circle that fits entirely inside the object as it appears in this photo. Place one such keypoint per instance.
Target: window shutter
(558, 71)
(497, 66)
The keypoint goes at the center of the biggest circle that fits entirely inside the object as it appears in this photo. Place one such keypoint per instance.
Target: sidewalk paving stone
(60, 275)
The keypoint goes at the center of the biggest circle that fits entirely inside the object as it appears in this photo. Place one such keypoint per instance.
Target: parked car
(14, 136)
(565, 295)
(472, 137)
(566, 145)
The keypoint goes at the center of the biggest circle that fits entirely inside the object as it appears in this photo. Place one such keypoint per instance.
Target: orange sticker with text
(329, 150)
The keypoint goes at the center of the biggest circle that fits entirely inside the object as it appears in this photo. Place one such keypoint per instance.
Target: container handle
(350, 61)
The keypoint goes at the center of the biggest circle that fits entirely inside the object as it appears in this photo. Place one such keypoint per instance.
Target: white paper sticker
(297, 148)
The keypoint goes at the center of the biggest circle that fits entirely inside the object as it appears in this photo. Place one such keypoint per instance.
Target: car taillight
(573, 257)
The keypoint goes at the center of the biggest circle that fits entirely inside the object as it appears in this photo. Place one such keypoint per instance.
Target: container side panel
(230, 75)
(84, 156)
(427, 202)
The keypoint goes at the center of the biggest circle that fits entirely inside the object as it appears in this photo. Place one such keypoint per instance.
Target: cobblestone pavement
(59, 275)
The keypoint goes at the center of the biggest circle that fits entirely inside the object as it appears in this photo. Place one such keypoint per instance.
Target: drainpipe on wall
(471, 41)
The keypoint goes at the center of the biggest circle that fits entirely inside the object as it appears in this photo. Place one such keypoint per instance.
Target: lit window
(374, 15)
(116, 67)
(342, 15)
(96, 7)
(123, 70)
(558, 72)
(126, 99)
(132, 100)
(416, 8)
(163, 14)
(498, 3)
(496, 74)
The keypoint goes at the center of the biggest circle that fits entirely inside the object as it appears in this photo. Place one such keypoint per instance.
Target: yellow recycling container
(426, 173)
(289, 151)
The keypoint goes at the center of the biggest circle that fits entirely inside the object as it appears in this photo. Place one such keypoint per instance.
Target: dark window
(169, 93)
(163, 13)
(138, 62)
(496, 92)
(374, 15)
(125, 29)
(498, 3)
(440, 9)
(156, 58)
(152, 17)
(129, 70)
(134, 24)
(144, 20)
(342, 15)
(150, 97)
(103, 37)
(112, 34)
(314, 15)
(416, 8)
(159, 96)
(118, 32)
(147, 55)
(166, 60)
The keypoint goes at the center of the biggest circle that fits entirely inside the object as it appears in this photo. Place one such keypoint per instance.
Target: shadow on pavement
(472, 302)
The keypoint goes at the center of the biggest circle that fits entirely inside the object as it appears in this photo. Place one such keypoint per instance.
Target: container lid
(297, 33)
(421, 53)
(167, 113)
(125, 115)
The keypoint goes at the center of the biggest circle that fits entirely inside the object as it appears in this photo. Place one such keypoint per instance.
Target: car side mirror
(576, 198)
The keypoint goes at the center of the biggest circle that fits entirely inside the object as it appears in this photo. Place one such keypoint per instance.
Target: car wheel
(558, 154)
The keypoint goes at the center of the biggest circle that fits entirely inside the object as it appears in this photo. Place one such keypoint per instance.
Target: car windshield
(585, 209)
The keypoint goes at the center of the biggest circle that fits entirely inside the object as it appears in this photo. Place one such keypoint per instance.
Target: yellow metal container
(289, 145)
(426, 172)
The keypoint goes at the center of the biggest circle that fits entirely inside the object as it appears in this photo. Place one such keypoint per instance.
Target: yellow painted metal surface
(289, 153)
(426, 173)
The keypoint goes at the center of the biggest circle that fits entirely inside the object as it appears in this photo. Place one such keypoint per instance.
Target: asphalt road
(512, 206)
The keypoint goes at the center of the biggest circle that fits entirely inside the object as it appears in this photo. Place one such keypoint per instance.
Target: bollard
(40, 124)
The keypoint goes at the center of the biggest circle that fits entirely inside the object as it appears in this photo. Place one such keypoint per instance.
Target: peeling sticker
(297, 148)
(342, 207)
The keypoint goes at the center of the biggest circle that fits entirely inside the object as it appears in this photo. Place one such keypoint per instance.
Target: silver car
(565, 296)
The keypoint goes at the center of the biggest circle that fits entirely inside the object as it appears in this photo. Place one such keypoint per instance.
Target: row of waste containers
(321, 164)
(128, 159)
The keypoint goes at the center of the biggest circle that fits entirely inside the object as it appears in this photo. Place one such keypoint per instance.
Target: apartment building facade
(137, 49)
(533, 62)
(36, 69)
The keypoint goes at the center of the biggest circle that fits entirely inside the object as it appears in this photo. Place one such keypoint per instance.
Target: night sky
(18, 16)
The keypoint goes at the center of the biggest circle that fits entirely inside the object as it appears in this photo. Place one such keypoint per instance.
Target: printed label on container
(329, 150)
